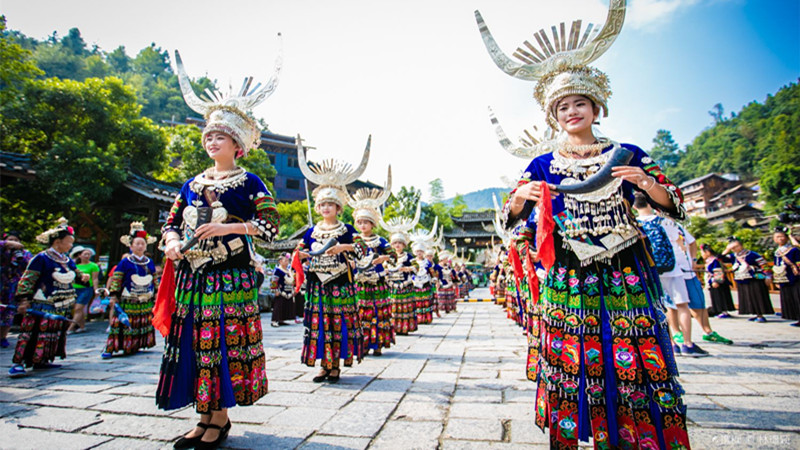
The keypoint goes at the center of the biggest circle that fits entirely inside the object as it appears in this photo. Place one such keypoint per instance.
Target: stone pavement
(458, 383)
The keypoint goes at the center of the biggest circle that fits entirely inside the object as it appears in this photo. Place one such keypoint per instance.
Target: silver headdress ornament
(366, 202)
(137, 230)
(530, 146)
(331, 176)
(399, 226)
(230, 112)
(59, 231)
(423, 240)
(561, 66)
(497, 222)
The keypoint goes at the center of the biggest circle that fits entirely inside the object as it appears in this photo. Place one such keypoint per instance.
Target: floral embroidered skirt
(375, 315)
(446, 297)
(423, 304)
(332, 331)
(41, 340)
(403, 307)
(604, 362)
(214, 357)
(140, 334)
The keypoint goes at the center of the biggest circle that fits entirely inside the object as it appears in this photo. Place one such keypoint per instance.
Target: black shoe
(223, 434)
(334, 378)
(185, 442)
(321, 378)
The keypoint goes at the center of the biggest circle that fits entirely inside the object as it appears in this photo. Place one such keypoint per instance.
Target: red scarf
(544, 229)
(299, 275)
(165, 301)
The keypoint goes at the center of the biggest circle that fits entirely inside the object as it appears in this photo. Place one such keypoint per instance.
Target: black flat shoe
(223, 434)
(321, 378)
(334, 378)
(185, 442)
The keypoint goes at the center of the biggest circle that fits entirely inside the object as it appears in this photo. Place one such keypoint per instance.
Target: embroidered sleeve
(30, 278)
(265, 219)
(650, 167)
(175, 216)
(360, 248)
(117, 280)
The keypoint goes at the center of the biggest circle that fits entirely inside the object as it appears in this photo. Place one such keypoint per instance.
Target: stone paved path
(458, 383)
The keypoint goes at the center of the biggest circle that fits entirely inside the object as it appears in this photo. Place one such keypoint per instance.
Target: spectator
(85, 290)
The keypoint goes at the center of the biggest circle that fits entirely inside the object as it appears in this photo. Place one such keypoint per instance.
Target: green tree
(436, 190)
(16, 67)
(257, 162)
(294, 215)
(665, 150)
(778, 184)
(403, 203)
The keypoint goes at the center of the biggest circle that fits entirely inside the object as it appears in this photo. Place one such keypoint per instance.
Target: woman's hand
(338, 248)
(715, 285)
(380, 260)
(173, 250)
(23, 306)
(85, 277)
(209, 230)
(531, 191)
(635, 175)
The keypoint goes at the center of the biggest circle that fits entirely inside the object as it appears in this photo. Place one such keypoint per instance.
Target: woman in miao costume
(399, 273)
(786, 274)
(446, 291)
(374, 303)
(131, 287)
(44, 296)
(423, 274)
(430, 254)
(605, 364)
(718, 286)
(332, 330)
(748, 269)
(207, 304)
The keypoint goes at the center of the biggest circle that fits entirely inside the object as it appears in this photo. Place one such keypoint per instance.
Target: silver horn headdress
(331, 176)
(366, 202)
(230, 112)
(399, 226)
(423, 240)
(497, 223)
(561, 66)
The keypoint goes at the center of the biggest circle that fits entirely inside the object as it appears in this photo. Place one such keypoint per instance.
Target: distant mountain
(482, 199)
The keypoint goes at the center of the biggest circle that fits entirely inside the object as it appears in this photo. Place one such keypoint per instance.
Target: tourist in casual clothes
(748, 272)
(85, 291)
(13, 261)
(207, 305)
(677, 298)
(45, 294)
(132, 287)
(786, 273)
(332, 331)
(283, 298)
(718, 286)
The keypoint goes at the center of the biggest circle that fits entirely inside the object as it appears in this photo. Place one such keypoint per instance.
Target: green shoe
(678, 337)
(714, 337)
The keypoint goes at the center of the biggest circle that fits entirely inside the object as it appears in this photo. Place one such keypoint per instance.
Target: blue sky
(415, 73)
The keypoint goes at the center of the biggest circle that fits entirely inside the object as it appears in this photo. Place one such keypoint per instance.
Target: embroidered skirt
(214, 357)
(403, 307)
(604, 362)
(446, 297)
(40, 340)
(754, 298)
(140, 334)
(375, 315)
(423, 304)
(332, 331)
